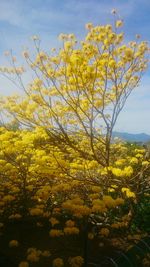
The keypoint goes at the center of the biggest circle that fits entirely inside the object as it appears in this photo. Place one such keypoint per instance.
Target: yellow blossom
(15, 216)
(46, 253)
(55, 233)
(71, 230)
(104, 232)
(109, 201)
(128, 192)
(128, 171)
(96, 189)
(89, 26)
(8, 198)
(145, 163)
(58, 262)
(119, 23)
(23, 264)
(36, 212)
(33, 257)
(117, 172)
(134, 160)
(90, 236)
(119, 201)
(76, 261)
(70, 223)
(53, 221)
(13, 243)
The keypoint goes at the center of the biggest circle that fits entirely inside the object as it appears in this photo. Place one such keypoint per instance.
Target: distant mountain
(141, 137)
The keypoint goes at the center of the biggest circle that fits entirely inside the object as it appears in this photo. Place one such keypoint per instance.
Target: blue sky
(21, 19)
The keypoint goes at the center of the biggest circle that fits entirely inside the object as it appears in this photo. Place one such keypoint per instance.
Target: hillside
(141, 137)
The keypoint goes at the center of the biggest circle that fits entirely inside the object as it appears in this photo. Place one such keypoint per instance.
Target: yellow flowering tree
(79, 90)
(62, 165)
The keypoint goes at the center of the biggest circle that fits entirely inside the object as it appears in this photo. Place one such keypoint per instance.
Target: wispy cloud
(53, 17)
(22, 13)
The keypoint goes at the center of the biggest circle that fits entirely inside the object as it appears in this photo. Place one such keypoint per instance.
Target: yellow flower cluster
(109, 202)
(90, 236)
(23, 264)
(36, 212)
(101, 206)
(13, 243)
(76, 207)
(104, 232)
(76, 261)
(58, 262)
(126, 172)
(134, 160)
(145, 163)
(128, 192)
(8, 198)
(53, 221)
(46, 253)
(116, 242)
(70, 223)
(119, 23)
(71, 230)
(15, 216)
(119, 225)
(56, 233)
(33, 255)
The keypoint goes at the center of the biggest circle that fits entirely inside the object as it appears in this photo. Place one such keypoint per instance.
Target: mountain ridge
(140, 137)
